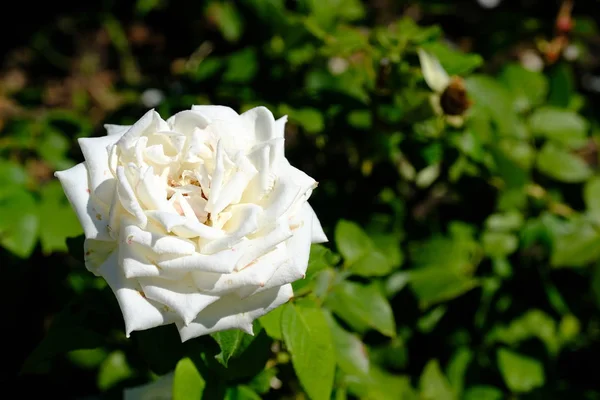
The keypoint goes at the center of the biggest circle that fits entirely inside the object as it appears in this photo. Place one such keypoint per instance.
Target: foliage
(464, 254)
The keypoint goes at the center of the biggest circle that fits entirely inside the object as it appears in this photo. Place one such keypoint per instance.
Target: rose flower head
(198, 220)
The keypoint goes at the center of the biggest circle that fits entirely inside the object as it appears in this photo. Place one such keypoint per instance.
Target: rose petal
(183, 226)
(221, 262)
(116, 130)
(187, 121)
(138, 313)
(264, 181)
(232, 192)
(95, 152)
(243, 222)
(254, 276)
(158, 243)
(96, 252)
(181, 296)
(229, 312)
(91, 215)
(260, 123)
(216, 112)
(277, 203)
(128, 197)
(298, 251)
(262, 244)
(151, 122)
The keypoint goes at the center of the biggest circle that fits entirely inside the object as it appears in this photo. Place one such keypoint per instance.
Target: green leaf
(562, 126)
(373, 263)
(232, 342)
(483, 392)
(242, 66)
(143, 7)
(326, 12)
(576, 245)
(529, 88)
(206, 68)
(499, 244)
(160, 359)
(53, 148)
(454, 62)
(505, 222)
(433, 284)
(562, 85)
(11, 175)
(188, 384)
(160, 389)
(509, 170)
(560, 164)
(380, 385)
(261, 383)
(428, 321)
(495, 100)
(362, 307)
(433, 383)
(351, 241)
(227, 18)
(113, 370)
(321, 258)
(457, 367)
(532, 324)
(350, 352)
(58, 221)
(521, 374)
(87, 358)
(569, 328)
(396, 282)
(241, 392)
(389, 246)
(307, 337)
(19, 223)
(310, 119)
(427, 176)
(271, 322)
(596, 284)
(72, 329)
(591, 195)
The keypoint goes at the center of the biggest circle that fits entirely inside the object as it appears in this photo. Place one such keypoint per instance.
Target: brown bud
(454, 100)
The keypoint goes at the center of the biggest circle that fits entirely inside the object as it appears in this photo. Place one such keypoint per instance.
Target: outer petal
(151, 122)
(216, 112)
(138, 312)
(435, 75)
(181, 296)
(92, 217)
(95, 151)
(260, 123)
(298, 251)
(254, 276)
(117, 130)
(221, 262)
(229, 312)
(186, 121)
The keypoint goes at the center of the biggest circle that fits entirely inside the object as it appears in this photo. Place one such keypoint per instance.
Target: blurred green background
(470, 244)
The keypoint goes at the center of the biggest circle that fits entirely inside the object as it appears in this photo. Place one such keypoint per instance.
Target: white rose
(199, 220)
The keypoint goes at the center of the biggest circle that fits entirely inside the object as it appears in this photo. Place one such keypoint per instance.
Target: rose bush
(198, 220)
